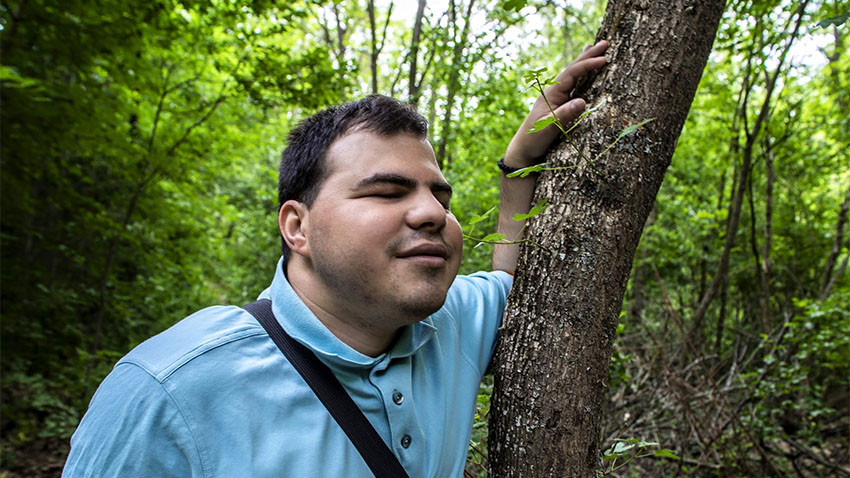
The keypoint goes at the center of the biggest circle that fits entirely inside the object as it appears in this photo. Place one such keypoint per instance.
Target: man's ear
(294, 226)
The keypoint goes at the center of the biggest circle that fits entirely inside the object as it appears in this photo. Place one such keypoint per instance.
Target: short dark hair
(302, 164)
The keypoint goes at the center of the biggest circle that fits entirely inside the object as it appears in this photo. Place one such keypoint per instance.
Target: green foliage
(130, 188)
(802, 379)
(477, 454)
(837, 20)
(139, 144)
(524, 172)
(630, 449)
(535, 210)
(515, 5)
(618, 375)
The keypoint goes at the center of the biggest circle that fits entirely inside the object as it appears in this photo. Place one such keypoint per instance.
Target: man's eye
(386, 194)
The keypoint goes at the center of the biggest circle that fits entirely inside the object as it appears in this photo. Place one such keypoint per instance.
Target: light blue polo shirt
(214, 397)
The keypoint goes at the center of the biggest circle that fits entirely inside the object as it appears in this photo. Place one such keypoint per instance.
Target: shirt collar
(302, 325)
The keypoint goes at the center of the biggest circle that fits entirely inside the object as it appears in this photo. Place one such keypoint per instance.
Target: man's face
(382, 238)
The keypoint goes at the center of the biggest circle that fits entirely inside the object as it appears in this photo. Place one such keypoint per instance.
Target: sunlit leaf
(532, 75)
(495, 237)
(623, 446)
(666, 454)
(631, 129)
(526, 171)
(537, 209)
(515, 5)
(478, 218)
(541, 124)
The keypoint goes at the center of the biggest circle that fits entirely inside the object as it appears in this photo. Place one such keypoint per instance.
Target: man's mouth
(427, 254)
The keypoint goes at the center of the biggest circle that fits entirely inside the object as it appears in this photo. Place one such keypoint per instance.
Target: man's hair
(303, 166)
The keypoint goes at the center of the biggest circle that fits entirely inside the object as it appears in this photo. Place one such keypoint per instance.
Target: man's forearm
(515, 198)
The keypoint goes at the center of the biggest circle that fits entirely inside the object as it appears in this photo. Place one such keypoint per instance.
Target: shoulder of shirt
(489, 275)
(480, 284)
(192, 337)
(482, 280)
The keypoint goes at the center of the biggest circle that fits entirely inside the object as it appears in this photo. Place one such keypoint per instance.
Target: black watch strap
(505, 168)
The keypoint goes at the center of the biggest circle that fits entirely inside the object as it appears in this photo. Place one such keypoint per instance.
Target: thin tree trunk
(551, 365)
(376, 48)
(721, 320)
(747, 155)
(413, 57)
(766, 317)
(757, 260)
(337, 44)
(373, 56)
(460, 43)
(828, 277)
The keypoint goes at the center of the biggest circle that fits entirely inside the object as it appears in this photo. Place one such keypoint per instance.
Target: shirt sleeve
(133, 428)
(477, 305)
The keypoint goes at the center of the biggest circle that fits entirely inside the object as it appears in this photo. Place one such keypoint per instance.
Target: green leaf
(478, 218)
(537, 209)
(623, 446)
(541, 123)
(644, 444)
(631, 129)
(515, 5)
(594, 108)
(526, 171)
(666, 454)
(837, 20)
(495, 237)
(532, 75)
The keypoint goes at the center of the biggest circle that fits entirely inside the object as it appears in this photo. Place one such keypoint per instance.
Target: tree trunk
(453, 83)
(412, 84)
(373, 52)
(828, 277)
(375, 47)
(551, 366)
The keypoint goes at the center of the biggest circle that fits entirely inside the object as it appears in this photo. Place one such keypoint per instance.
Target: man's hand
(526, 148)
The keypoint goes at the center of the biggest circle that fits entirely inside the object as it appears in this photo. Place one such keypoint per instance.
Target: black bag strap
(333, 396)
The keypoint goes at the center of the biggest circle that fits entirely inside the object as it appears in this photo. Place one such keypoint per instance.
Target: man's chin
(423, 306)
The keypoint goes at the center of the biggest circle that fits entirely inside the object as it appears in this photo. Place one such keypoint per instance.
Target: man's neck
(358, 333)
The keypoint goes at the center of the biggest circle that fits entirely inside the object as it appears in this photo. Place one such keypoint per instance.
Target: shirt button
(398, 398)
(405, 441)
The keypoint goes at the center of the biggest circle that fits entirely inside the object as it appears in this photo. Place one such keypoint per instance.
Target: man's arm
(527, 149)
(133, 428)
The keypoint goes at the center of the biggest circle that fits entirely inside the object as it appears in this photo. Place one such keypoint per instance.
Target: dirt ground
(42, 459)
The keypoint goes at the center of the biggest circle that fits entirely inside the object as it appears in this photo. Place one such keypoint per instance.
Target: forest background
(140, 142)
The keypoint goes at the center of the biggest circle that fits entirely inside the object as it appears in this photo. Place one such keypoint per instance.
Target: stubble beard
(357, 283)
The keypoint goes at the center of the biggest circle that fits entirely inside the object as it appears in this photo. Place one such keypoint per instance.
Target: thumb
(570, 110)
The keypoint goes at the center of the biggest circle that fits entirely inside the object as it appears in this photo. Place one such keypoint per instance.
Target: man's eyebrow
(385, 178)
(441, 187)
(399, 180)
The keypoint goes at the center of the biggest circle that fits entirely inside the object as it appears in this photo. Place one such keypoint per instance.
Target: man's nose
(426, 212)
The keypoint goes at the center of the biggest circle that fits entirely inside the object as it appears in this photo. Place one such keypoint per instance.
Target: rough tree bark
(551, 365)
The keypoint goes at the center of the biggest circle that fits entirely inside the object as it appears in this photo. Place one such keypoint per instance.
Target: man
(367, 283)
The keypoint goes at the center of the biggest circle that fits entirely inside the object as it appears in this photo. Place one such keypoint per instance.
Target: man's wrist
(505, 168)
(510, 168)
